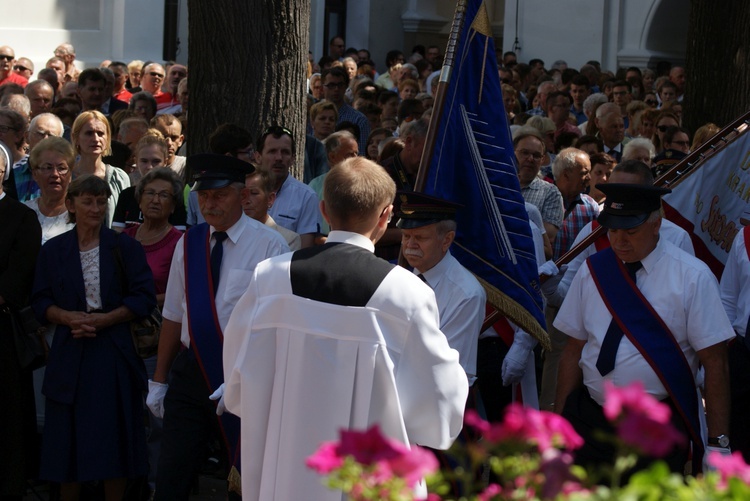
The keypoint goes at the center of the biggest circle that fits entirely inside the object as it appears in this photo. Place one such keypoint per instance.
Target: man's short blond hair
(356, 190)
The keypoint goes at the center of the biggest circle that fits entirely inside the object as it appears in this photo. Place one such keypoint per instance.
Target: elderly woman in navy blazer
(94, 379)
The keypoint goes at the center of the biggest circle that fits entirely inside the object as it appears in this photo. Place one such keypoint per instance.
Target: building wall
(98, 29)
(617, 33)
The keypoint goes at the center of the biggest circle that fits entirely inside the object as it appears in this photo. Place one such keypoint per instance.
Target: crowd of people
(105, 219)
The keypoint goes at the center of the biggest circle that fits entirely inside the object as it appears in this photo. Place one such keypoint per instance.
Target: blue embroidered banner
(474, 164)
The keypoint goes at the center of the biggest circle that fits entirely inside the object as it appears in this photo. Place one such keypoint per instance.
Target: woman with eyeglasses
(91, 283)
(150, 153)
(91, 136)
(51, 162)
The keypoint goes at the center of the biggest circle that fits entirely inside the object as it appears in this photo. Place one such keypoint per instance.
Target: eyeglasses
(163, 195)
(333, 85)
(528, 153)
(61, 169)
(18, 67)
(663, 128)
(6, 57)
(4, 129)
(650, 102)
(155, 74)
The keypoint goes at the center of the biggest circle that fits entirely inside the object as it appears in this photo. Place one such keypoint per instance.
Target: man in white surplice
(333, 337)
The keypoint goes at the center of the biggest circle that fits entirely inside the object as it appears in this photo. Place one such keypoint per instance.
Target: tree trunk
(718, 62)
(247, 61)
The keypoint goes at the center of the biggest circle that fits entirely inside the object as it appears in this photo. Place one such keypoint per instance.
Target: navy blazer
(59, 281)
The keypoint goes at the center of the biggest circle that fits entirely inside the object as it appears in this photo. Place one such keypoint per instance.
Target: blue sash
(206, 338)
(650, 335)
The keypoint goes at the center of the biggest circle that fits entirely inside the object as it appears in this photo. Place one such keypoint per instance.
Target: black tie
(216, 254)
(422, 278)
(606, 361)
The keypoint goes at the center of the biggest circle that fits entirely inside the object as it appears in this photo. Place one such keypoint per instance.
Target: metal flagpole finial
(450, 51)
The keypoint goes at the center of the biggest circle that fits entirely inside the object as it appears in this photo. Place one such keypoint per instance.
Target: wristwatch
(720, 441)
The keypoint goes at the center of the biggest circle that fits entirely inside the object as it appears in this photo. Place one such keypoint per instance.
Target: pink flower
(325, 459)
(545, 429)
(414, 465)
(370, 446)
(472, 418)
(730, 466)
(490, 492)
(651, 437)
(633, 399)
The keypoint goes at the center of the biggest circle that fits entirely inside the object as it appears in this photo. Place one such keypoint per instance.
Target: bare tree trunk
(247, 61)
(718, 62)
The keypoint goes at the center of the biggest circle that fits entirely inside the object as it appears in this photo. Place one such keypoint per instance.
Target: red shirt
(14, 78)
(123, 95)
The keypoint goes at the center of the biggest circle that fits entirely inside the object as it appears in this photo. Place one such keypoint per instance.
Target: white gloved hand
(548, 268)
(219, 395)
(155, 398)
(549, 287)
(514, 364)
(707, 466)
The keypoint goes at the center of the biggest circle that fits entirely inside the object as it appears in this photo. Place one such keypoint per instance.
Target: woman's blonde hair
(86, 117)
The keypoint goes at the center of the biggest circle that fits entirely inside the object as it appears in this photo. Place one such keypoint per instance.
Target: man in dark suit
(20, 239)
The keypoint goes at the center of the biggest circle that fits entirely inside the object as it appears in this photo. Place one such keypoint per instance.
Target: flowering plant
(530, 456)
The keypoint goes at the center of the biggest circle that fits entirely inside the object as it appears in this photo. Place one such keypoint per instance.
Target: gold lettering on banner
(738, 187)
(745, 164)
(717, 227)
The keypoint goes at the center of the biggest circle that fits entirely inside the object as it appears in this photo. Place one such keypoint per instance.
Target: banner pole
(437, 109)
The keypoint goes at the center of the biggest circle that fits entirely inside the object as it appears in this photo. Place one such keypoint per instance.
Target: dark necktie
(216, 254)
(422, 278)
(606, 361)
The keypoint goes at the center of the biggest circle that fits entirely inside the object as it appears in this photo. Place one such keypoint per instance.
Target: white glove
(548, 268)
(549, 287)
(707, 466)
(514, 364)
(219, 395)
(155, 398)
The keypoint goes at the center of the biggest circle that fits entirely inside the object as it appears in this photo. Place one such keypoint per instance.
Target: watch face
(724, 441)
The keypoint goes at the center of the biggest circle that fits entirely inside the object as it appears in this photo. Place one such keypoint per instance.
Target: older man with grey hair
(20, 184)
(589, 106)
(41, 95)
(611, 129)
(640, 149)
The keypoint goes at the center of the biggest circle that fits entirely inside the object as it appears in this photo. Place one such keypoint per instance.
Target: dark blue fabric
(94, 386)
(652, 338)
(473, 164)
(216, 255)
(606, 361)
(206, 338)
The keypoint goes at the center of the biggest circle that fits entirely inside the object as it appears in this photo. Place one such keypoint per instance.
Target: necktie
(216, 254)
(422, 278)
(606, 361)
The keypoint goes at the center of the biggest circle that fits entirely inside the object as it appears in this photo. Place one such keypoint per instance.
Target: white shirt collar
(348, 237)
(434, 274)
(235, 231)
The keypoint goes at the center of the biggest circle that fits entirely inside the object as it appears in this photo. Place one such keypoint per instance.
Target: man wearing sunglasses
(152, 78)
(7, 60)
(24, 67)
